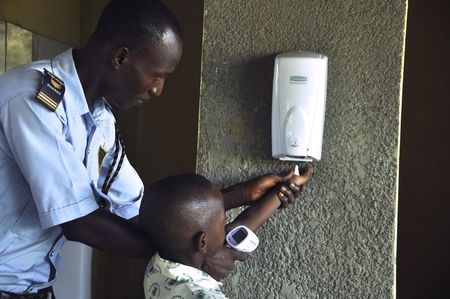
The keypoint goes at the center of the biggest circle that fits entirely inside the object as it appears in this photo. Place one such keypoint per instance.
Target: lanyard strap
(110, 177)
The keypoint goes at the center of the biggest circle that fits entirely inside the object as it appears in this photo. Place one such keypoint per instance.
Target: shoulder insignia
(51, 91)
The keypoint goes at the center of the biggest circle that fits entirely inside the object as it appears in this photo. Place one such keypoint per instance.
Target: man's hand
(288, 184)
(221, 265)
(287, 195)
(257, 187)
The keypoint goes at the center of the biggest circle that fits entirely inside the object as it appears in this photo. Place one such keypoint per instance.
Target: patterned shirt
(166, 279)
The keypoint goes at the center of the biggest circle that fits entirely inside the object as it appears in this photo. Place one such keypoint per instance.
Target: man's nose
(158, 88)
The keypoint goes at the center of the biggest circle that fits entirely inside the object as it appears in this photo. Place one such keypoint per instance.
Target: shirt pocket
(28, 225)
(7, 237)
(76, 135)
(21, 214)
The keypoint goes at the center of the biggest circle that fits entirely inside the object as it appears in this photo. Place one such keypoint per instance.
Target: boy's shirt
(166, 279)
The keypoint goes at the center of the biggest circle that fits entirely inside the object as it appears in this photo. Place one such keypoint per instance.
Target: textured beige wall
(339, 240)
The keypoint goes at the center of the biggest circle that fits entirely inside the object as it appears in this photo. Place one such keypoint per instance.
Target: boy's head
(184, 216)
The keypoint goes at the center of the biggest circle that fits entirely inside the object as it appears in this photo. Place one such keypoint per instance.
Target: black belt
(46, 293)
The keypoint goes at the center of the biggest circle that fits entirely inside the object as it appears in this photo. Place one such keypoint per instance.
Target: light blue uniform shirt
(49, 171)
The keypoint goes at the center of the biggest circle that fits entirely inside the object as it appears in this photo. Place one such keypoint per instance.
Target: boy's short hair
(136, 23)
(175, 208)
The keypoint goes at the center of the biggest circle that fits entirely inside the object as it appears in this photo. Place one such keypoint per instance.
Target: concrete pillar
(338, 241)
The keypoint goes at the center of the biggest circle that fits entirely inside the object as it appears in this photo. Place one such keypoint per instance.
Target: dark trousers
(46, 293)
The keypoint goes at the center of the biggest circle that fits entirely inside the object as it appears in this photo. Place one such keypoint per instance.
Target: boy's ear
(120, 57)
(201, 242)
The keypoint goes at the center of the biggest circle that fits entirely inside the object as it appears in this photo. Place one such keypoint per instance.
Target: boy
(185, 216)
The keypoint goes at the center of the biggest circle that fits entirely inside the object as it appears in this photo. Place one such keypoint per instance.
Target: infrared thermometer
(241, 238)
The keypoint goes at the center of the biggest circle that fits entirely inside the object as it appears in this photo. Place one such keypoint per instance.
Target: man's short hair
(138, 24)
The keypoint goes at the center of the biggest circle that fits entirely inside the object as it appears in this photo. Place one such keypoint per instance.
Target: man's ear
(120, 57)
(201, 242)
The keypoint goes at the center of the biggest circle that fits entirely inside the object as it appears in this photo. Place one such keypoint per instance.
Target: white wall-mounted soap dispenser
(298, 106)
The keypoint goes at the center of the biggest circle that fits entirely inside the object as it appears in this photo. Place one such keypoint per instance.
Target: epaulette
(51, 91)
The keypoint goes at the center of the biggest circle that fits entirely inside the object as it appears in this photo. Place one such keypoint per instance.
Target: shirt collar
(63, 66)
(182, 272)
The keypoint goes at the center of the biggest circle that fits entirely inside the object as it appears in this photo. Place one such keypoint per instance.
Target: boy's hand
(247, 193)
(221, 265)
(288, 193)
(304, 177)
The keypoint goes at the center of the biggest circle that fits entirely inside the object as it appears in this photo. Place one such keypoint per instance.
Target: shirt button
(52, 253)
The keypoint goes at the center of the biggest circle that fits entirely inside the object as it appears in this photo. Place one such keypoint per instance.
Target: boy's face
(216, 228)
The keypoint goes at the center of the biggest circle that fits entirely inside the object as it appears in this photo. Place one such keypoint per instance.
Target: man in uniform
(63, 170)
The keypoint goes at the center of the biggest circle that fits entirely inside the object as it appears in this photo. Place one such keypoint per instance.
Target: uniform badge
(101, 155)
(51, 92)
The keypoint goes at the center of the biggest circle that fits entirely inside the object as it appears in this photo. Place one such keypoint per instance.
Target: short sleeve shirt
(52, 168)
(166, 279)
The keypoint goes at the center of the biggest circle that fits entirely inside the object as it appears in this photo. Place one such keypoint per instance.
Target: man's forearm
(234, 196)
(106, 231)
